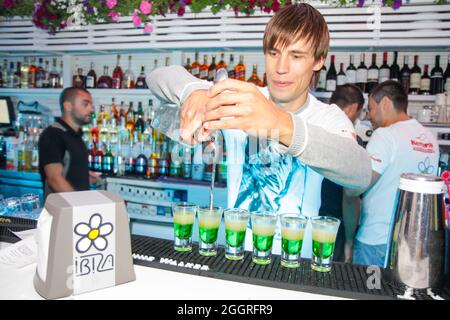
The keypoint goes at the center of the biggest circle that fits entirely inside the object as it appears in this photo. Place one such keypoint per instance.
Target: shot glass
(183, 222)
(13, 206)
(263, 229)
(235, 227)
(208, 227)
(324, 232)
(292, 231)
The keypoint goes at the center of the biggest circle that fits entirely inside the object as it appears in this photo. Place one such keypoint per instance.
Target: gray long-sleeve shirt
(322, 136)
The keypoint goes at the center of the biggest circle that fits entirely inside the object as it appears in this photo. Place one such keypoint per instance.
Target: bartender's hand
(348, 251)
(250, 109)
(93, 177)
(191, 117)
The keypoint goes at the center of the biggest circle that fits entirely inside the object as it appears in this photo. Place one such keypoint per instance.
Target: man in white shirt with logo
(399, 144)
(308, 139)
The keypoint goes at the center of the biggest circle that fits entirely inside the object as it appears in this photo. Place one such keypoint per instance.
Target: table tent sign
(83, 244)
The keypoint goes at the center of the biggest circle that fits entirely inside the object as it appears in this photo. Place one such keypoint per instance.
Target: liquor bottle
(122, 111)
(204, 68)
(186, 163)
(24, 69)
(94, 130)
(425, 82)
(91, 78)
(141, 161)
(188, 66)
(78, 79)
(113, 134)
(85, 136)
(11, 75)
(130, 159)
(46, 80)
(104, 132)
(372, 74)
(195, 67)
(2, 82)
(117, 75)
(130, 118)
(230, 68)
(331, 76)
(394, 71)
(437, 78)
(321, 84)
(212, 69)
(108, 160)
(239, 70)
(18, 76)
(341, 76)
(114, 111)
(164, 160)
(254, 76)
(40, 74)
(416, 74)
(152, 162)
(155, 64)
(140, 125)
(91, 154)
(21, 151)
(4, 74)
(123, 132)
(105, 81)
(35, 153)
(385, 71)
(447, 76)
(140, 81)
(128, 77)
(61, 72)
(175, 159)
(54, 76)
(222, 63)
(361, 74)
(167, 63)
(351, 72)
(98, 160)
(405, 74)
(103, 114)
(32, 69)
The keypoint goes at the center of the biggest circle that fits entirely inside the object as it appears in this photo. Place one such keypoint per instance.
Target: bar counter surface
(163, 274)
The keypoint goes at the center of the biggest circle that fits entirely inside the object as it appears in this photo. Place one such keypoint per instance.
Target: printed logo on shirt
(421, 145)
(425, 166)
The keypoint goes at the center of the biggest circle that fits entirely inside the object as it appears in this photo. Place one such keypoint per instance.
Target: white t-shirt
(295, 198)
(405, 146)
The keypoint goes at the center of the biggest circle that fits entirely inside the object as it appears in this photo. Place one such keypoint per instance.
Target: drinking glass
(292, 231)
(324, 232)
(183, 222)
(208, 226)
(235, 227)
(263, 229)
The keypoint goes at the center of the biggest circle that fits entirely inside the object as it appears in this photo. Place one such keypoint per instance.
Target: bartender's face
(82, 108)
(289, 71)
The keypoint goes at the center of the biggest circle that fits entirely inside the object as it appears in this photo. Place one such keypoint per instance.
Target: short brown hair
(69, 94)
(346, 95)
(394, 91)
(294, 22)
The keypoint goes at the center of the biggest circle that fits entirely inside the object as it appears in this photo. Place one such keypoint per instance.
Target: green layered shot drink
(292, 231)
(208, 226)
(263, 228)
(324, 232)
(183, 222)
(235, 227)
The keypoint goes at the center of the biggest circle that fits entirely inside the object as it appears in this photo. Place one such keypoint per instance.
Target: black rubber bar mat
(345, 280)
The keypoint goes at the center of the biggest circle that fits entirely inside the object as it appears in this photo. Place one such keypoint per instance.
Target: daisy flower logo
(93, 234)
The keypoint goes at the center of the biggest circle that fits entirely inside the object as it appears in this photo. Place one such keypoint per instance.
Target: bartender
(311, 140)
(63, 156)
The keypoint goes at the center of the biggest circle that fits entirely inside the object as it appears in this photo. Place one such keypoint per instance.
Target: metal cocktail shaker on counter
(418, 250)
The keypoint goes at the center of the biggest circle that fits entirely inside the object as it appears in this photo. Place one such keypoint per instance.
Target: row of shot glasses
(324, 231)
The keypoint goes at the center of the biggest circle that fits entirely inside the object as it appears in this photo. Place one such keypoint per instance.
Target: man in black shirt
(350, 99)
(63, 156)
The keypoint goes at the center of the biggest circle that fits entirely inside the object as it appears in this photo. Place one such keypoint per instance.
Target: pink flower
(9, 4)
(111, 3)
(148, 28)
(114, 16)
(181, 11)
(145, 7)
(275, 5)
(136, 19)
